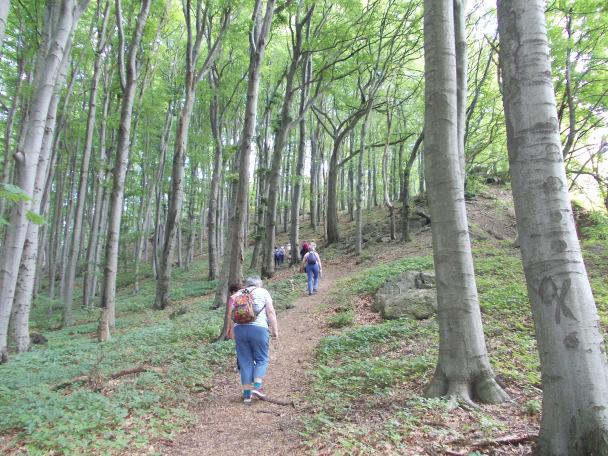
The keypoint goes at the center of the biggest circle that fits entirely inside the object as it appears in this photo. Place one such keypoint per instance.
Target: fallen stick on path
(278, 401)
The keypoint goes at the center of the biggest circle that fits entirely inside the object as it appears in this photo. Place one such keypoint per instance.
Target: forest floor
(356, 381)
(227, 426)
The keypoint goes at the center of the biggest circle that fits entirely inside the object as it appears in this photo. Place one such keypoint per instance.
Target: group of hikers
(253, 322)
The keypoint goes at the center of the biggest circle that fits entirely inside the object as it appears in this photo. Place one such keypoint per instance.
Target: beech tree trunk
(192, 77)
(405, 190)
(24, 291)
(65, 16)
(463, 368)
(570, 343)
(299, 174)
(92, 258)
(214, 192)
(128, 79)
(460, 37)
(4, 7)
(68, 296)
(233, 260)
(360, 178)
(280, 140)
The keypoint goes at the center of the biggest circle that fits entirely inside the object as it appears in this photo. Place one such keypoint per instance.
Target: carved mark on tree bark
(550, 295)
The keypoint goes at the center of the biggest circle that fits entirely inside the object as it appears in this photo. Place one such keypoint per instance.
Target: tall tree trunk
(88, 289)
(233, 260)
(24, 291)
(8, 132)
(4, 7)
(128, 79)
(286, 123)
(385, 176)
(68, 296)
(214, 192)
(360, 177)
(314, 177)
(460, 37)
(193, 76)
(64, 16)
(463, 368)
(405, 190)
(570, 343)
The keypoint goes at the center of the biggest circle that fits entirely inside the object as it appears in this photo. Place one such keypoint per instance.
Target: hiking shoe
(247, 398)
(258, 393)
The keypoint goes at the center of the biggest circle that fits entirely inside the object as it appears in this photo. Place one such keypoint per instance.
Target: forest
(154, 152)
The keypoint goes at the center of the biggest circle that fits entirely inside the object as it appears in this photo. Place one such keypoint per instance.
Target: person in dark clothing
(304, 250)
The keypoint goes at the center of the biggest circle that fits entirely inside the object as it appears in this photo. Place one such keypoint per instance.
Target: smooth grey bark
(24, 291)
(214, 192)
(68, 296)
(360, 178)
(5, 6)
(101, 173)
(128, 79)
(299, 171)
(405, 190)
(463, 369)
(280, 140)
(460, 36)
(10, 121)
(570, 343)
(233, 259)
(314, 177)
(390, 205)
(60, 21)
(193, 76)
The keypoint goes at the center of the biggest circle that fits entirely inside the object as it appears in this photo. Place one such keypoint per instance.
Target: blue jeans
(252, 346)
(312, 271)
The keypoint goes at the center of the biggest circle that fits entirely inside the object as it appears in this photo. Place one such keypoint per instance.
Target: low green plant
(341, 319)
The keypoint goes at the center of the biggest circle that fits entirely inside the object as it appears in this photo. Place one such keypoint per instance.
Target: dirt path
(265, 428)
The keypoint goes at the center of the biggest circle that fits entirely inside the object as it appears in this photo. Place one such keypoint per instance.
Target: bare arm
(272, 318)
(230, 323)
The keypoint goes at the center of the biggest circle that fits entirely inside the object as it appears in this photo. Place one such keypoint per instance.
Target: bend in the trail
(227, 426)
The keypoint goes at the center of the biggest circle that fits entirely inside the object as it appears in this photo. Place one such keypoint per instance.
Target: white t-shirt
(261, 297)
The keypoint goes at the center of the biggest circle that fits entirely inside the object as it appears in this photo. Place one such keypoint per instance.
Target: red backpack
(243, 307)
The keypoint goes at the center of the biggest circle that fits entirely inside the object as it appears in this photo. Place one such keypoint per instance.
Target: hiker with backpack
(253, 321)
(311, 264)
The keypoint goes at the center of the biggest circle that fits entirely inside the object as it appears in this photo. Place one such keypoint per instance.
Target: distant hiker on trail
(281, 255)
(253, 320)
(304, 250)
(311, 264)
(277, 257)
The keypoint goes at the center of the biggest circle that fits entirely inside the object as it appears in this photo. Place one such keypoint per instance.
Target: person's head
(253, 281)
(234, 287)
(311, 248)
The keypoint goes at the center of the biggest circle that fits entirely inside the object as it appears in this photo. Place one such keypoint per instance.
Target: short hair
(234, 287)
(253, 281)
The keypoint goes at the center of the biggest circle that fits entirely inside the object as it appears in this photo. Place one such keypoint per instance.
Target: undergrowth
(105, 416)
(366, 392)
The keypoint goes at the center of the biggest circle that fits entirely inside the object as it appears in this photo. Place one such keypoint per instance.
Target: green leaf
(35, 218)
(3, 221)
(14, 193)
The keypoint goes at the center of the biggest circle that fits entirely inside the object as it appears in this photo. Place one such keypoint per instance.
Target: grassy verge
(366, 393)
(105, 416)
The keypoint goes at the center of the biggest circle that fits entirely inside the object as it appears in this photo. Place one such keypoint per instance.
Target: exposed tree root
(461, 393)
(93, 379)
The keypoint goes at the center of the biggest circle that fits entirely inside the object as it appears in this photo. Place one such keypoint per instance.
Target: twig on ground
(507, 440)
(278, 401)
